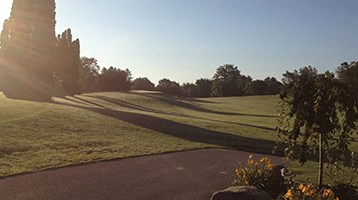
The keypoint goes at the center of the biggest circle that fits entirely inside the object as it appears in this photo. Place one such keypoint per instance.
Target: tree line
(227, 81)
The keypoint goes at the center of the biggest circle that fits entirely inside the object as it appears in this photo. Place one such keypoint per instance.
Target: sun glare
(5, 8)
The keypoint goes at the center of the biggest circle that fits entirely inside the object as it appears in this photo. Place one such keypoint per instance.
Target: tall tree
(68, 62)
(27, 49)
(225, 81)
(318, 112)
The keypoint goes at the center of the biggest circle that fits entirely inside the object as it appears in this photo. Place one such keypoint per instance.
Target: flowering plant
(300, 191)
(260, 174)
(309, 192)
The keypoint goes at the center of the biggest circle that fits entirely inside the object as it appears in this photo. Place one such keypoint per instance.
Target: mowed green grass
(102, 126)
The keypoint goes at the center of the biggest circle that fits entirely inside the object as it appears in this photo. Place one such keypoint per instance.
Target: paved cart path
(186, 175)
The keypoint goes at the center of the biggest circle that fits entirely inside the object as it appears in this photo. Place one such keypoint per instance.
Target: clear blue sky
(184, 40)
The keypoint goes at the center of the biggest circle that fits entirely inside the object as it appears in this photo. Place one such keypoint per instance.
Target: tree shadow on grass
(141, 108)
(170, 100)
(89, 102)
(72, 100)
(125, 104)
(187, 132)
(177, 102)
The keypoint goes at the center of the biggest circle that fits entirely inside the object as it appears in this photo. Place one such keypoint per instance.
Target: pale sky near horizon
(184, 40)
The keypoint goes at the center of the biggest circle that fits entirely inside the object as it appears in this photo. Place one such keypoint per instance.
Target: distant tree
(248, 90)
(142, 84)
(317, 114)
(189, 90)
(348, 73)
(258, 87)
(68, 63)
(169, 87)
(273, 86)
(89, 75)
(225, 81)
(244, 85)
(203, 87)
(114, 79)
(28, 50)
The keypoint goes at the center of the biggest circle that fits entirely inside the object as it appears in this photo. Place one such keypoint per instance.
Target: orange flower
(260, 171)
(250, 156)
(237, 172)
(271, 166)
(305, 188)
(310, 193)
(301, 186)
(327, 193)
(289, 194)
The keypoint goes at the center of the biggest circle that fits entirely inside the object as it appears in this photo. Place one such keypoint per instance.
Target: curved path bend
(186, 175)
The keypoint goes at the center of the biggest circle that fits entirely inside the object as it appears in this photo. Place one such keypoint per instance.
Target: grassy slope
(103, 126)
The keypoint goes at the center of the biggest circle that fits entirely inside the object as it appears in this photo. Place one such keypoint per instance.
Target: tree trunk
(320, 174)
